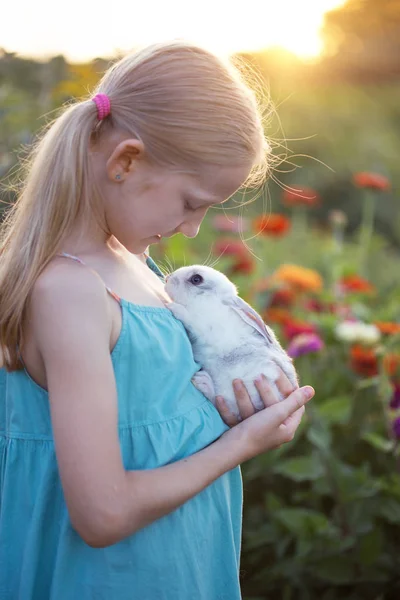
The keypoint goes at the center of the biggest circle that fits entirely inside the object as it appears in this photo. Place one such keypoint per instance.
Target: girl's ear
(124, 159)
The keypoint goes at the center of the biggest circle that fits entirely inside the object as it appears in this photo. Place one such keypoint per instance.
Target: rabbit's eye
(196, 279)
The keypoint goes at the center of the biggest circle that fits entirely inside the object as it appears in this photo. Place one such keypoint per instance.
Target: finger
(295, 417)
(289, 427)
(284, 409)
(284, 385)
(245, 406)
(266, 392)
(227, 416)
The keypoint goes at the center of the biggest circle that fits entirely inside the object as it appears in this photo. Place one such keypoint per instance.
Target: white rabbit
(229, 338)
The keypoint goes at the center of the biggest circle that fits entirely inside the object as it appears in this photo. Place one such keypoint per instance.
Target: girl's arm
(71, 319)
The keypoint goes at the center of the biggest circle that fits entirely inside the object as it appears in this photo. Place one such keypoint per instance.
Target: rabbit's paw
(178, 310)
(203, 382)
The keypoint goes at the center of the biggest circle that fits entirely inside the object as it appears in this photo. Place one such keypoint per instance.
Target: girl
(118, 479)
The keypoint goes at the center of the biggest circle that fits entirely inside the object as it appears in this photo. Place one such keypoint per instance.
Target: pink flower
(231, 223)
(304, 344)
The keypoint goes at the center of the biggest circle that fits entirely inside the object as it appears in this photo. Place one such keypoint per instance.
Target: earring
(118, 176)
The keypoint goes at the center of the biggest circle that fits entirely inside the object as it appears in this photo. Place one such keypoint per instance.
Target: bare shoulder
(64, 280)
(68, 298)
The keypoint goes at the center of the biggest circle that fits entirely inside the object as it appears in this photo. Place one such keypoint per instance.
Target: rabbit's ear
(249, 315)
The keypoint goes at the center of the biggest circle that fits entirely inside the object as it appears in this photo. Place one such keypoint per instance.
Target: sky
(82, 30)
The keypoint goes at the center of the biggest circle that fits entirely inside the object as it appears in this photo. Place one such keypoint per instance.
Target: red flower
(272, 224)
(316, 305)
(371, 181)
(293, 327)
(243, 261)
(296, 196)
(283, 297)
(355, 283)
(363, 361)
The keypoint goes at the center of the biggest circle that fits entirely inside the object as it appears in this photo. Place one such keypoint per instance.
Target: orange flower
(276, 315)
(388, 328)
(355, 283)
(296, 196)
(243, 261)
(371, 181)
(391, 363)
(299, 278)
(272, 224)
(363, 361)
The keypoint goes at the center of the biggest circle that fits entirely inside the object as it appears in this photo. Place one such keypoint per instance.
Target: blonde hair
(188, 107)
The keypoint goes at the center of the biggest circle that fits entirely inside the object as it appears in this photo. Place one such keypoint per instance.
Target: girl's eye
(196, 279)
(188, 207)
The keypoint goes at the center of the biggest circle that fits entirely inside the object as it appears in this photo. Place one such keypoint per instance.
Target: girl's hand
(271, 427)
(243, 401)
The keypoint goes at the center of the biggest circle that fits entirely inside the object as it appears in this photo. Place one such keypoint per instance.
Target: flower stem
(336, 267)
(366, 230)
(300, 222)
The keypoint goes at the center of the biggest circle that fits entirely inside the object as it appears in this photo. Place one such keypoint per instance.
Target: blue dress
(191, 554)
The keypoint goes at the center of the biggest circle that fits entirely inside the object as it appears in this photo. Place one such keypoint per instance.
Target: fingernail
(308, 391)
(258, 379)
(220, 400)
(237, 384)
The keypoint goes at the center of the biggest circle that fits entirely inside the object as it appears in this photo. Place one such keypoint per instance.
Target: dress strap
(152, 265)
(79, 260)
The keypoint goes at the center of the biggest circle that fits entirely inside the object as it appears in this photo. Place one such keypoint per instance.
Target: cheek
(119, 218)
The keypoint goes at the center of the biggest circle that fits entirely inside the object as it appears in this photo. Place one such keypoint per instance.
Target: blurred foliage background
(322, 513)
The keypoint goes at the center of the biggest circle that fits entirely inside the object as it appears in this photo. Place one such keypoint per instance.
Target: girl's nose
(190, 230)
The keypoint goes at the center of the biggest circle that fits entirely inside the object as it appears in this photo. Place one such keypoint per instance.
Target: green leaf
(302, 522)
(336, 410)
(301, 468)
(378, 441)
(370, 547)
(273, 502)
(319, 436)
(259, 539)
(336, 570)
(389, 509)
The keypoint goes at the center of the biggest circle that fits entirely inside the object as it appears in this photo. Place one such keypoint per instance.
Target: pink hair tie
(102, 101)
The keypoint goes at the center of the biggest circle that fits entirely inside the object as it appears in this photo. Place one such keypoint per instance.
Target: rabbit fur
(229, 338)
